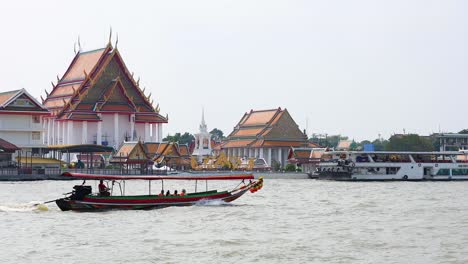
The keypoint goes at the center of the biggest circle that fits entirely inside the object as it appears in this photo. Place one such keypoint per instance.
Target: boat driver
(103, 190)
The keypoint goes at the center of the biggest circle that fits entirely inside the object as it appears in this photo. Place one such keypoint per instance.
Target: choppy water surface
(288, 221)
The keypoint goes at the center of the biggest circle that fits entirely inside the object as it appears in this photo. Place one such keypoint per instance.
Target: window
(36, 135)
(36, 119)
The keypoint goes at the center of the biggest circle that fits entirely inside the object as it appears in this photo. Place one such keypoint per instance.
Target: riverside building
(21, 121)
(98, 101)
(265, 134)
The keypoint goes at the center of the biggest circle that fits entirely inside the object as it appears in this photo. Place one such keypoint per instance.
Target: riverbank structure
(98, 101)
(21, 121)
(265, 134)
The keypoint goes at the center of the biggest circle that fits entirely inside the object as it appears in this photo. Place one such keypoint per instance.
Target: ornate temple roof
(266, 128)
(96, 82)
(20, 101)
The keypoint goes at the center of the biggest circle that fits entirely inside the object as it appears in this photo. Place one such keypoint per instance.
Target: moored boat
(82, 197)
(393, 165)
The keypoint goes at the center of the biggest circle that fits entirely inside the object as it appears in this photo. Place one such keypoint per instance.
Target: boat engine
(80, 191)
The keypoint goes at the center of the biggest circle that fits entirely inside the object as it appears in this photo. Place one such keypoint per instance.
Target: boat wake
(213, 203)
(33, 206)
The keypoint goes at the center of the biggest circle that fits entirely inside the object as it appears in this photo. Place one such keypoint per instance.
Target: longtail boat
(83, 198)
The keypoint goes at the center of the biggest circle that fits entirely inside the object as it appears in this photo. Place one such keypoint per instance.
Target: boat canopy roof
(401, 152)
(160, 177)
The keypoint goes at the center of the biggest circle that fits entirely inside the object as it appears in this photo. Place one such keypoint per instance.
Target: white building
(21, 121)
(202, 141)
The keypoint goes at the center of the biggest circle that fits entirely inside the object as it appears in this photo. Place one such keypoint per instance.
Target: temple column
(147, 132)
(256, 153)
(48, 132)
(70, 139)
(43, 131)
(160, 132)
(132, 126)
(58, 132)
(152, 132)
(156, 132)
(47, 128)
(84, 132)
(63, 133)
(261, 153)
(280, 158)
(99, 133)
(116, 130)
(269, 156)
(53, 132)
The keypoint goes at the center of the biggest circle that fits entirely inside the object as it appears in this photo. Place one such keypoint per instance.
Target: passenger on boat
(168, 193)
(103, 190)
(175, 193)
(182, 193)
(161, 193)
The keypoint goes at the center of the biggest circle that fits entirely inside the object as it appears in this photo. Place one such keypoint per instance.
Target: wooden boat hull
(144, 202)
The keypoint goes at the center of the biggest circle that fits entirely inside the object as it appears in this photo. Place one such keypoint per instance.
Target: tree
(464, 131)
(411, 142)
(218, 135)
(185, 138)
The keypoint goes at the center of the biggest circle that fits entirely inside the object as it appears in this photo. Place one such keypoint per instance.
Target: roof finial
(79, 44)
(42, 99)
(47, 94)
(58, 79)
(74, 48)
(138, 81)
(117, 40)
(110, 35)
(203, 115)
(53, 85)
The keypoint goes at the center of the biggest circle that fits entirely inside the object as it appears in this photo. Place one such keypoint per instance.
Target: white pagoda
(202, 141)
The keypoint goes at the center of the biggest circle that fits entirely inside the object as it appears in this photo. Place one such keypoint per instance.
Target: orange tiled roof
(126, 149)
(183, 150)
(5, 96)
(260, 117)
(85, 61)
(302, 153)
(248, 132)
(151, 148)
(64, 90)
(237, 143)
(157, 118)
(283, 144)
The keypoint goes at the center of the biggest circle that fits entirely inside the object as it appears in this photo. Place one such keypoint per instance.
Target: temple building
(98, 101)
(265, 134)
(21, 121)
(202, 141)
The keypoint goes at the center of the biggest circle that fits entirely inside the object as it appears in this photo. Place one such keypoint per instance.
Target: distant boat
(393, 165)
(82, 197)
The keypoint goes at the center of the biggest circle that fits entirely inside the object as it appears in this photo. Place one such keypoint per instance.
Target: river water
(288, 221)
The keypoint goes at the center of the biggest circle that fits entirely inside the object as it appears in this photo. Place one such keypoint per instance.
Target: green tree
(380, 145)
(185, 138)
(410, 142)
(218, 135)
(464, 131)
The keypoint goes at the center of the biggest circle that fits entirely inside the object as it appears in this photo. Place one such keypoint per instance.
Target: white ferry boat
(393, 165)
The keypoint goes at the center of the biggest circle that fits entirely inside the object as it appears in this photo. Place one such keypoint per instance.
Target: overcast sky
(356, 68)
